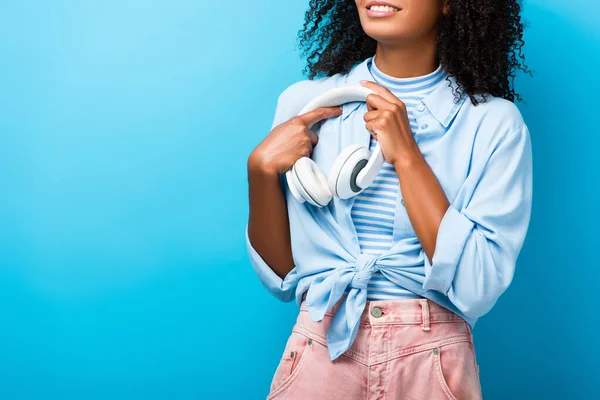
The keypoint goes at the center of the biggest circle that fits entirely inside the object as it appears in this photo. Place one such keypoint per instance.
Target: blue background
(125, 128)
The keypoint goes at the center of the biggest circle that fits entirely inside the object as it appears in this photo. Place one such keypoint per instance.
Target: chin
(384, 34)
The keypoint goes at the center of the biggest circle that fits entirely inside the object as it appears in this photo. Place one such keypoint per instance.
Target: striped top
(373, 210)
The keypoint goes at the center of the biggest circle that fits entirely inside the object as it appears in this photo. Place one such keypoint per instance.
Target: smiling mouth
(382, 8)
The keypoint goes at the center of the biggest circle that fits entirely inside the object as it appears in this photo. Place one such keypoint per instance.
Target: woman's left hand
(388, 122)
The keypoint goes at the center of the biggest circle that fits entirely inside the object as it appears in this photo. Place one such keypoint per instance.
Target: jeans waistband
(418, 311)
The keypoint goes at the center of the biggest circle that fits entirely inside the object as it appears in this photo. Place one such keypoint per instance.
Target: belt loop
(425, 312)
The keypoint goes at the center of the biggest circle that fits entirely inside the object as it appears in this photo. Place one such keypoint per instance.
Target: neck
(406, 60)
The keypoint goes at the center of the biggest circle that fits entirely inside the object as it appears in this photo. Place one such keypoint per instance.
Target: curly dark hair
(479, 43)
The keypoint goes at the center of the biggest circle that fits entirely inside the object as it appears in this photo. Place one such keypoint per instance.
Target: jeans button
(376, 312)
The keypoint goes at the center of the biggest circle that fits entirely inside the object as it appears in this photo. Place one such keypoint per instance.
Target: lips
(381, 6)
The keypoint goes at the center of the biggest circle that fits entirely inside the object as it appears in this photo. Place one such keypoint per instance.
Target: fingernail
(363, 81)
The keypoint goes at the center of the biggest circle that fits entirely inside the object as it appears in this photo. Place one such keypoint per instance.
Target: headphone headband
(346, 94)
(338, 96)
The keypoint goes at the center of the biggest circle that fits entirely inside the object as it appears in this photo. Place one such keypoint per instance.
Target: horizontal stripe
(391, 214)
(374, 238)
(369, 247)
(379, 196)
(360, 214)
(360, 230)
(384, 184)
(409, 86)
(373, 222)
(423, 89)
(371, 225)
(379, 295)
(383, 181)
(375, 203)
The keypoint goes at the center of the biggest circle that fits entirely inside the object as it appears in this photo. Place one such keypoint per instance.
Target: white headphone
(354, 168)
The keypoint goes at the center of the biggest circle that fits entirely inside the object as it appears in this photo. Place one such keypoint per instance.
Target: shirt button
(424, 126)
(376, 312)
(420, 107)
(402, 201)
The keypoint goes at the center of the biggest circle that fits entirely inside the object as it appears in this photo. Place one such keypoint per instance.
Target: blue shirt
(374, 208)
(481, 155)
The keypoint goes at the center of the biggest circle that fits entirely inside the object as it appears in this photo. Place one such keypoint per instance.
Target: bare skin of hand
(268, 224)
(424, 199)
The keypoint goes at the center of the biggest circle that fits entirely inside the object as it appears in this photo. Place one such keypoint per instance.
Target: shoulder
(497, 112)
(497, 120)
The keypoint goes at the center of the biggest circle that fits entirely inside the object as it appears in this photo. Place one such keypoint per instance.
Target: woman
(391, 281)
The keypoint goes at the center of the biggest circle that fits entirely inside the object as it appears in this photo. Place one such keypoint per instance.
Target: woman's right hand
(289, 141)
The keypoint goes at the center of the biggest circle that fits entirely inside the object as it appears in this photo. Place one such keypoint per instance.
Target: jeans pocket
(455, 371)
(295, 354)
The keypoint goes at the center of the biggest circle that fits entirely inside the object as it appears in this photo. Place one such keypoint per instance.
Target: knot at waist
(325, 291)
(363, 270)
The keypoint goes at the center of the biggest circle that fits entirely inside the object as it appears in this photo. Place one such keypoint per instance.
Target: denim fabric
(404, 349)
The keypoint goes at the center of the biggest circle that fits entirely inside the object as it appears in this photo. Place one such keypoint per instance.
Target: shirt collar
(440, 102)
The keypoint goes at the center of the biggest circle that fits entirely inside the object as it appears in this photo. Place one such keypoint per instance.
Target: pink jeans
(405, 349)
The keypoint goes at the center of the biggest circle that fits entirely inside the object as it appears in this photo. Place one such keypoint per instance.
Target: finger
(380, 103)
(314, 139)
(380, 90)
(371, 115)
(310, 148)
(318, 114)
(371, 129)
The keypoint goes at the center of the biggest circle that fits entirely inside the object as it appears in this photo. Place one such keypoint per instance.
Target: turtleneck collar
(441, 102)
(423, 83)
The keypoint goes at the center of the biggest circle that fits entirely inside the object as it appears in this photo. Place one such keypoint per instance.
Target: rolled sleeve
(452, 236)
(477, 247)
(282, 289)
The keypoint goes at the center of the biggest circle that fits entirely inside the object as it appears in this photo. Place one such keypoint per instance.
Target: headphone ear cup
(312, 182)
(347, 165)
(294, 185)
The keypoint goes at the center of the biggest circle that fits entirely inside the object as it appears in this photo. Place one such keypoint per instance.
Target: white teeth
(383, 8)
